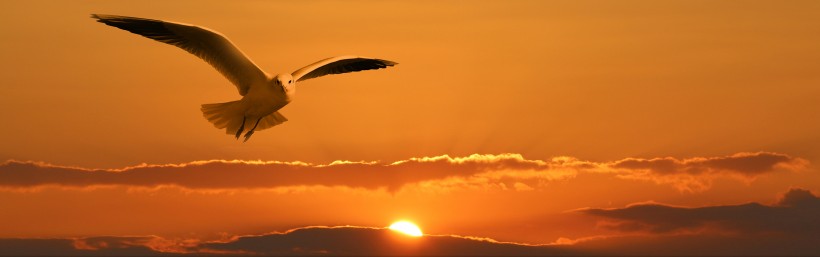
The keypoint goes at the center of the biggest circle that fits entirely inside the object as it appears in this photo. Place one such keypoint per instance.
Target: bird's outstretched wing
(208, 45)
(338, 65)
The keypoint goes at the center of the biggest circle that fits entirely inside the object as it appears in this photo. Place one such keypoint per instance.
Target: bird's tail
(228, 116)
(271, 120)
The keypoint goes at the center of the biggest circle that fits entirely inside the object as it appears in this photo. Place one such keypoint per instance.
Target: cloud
(790, 223)
(700, 245)
(751, 229)
(748, 164)
(327, 241)
(794, 214)
(511, 170)
(95, 246)
(220, 174)
(697, 174)
(359, 241)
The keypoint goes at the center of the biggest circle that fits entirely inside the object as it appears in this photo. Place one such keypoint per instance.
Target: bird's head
(285, 81)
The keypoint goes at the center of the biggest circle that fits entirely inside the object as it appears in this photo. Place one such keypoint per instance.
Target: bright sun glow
(406, 227)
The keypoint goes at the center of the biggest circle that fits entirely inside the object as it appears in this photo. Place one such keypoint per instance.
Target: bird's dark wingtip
(100, 17)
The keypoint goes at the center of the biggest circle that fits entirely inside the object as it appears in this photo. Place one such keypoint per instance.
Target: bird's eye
(288, 81)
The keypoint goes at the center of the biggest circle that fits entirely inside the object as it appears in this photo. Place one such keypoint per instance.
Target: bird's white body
(265, 99)
(262, 95)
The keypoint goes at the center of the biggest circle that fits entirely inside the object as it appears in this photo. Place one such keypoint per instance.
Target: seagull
(262, 95)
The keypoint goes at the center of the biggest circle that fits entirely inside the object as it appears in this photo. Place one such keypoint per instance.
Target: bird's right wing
(206, 44)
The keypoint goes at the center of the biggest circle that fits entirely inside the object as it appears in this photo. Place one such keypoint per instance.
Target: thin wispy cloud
(697, 174)
(441, 171)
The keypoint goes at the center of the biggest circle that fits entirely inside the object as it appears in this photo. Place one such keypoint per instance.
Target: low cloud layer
(787, 227)
(475, 170)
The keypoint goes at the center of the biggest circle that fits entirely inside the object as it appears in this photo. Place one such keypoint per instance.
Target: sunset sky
(507, 128)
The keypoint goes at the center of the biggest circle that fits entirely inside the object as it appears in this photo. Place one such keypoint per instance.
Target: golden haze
(608, 112)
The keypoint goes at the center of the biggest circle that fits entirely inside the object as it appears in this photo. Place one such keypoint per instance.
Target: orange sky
(694, 104)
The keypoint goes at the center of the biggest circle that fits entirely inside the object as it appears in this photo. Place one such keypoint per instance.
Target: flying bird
(262, 95)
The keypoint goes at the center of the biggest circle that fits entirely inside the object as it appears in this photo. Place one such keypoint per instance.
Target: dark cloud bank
(371, 241)
(789, 227)
(92, 246)
(310, 241)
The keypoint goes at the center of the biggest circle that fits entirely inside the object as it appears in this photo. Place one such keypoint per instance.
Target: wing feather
(338, 65)
(206, 44)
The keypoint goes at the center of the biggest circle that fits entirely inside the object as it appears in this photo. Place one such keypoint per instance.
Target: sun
(406, 227)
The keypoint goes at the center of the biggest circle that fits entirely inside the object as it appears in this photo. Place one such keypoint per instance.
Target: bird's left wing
(206, 44)
(338, 65)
